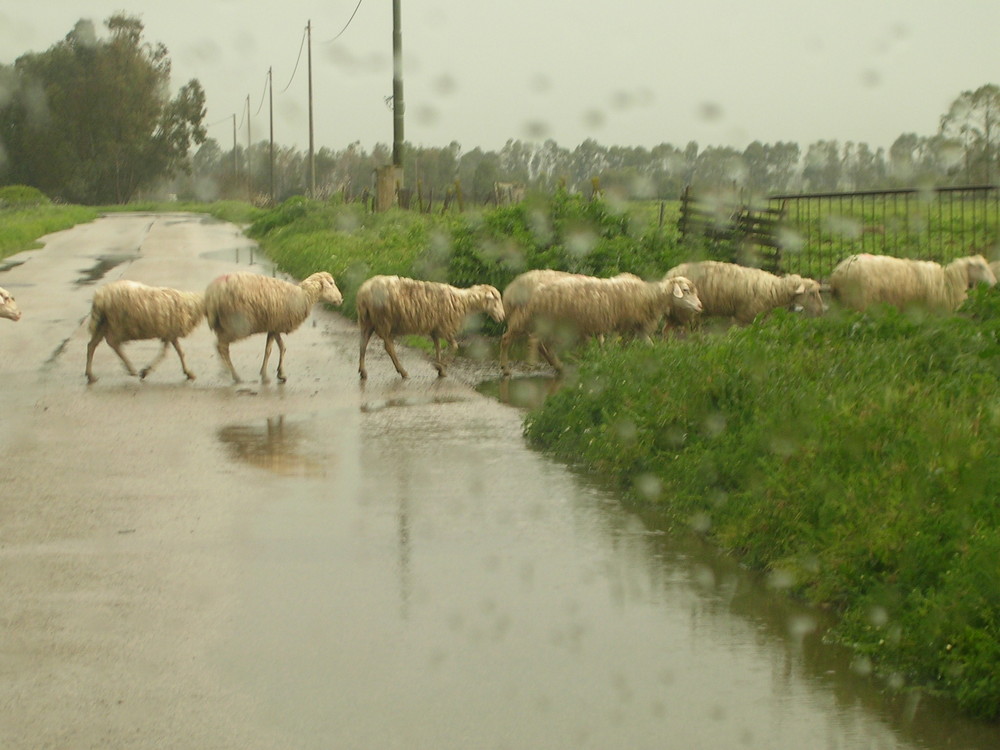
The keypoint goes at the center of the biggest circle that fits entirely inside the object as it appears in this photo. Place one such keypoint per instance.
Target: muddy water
(439, 585)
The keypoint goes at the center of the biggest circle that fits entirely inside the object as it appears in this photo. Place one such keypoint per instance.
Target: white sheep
(733, 291)
(241, 304)
(8, 307)
(130, 311)
(394, 305)
(863, 280)
(570, 309)
(517, 293)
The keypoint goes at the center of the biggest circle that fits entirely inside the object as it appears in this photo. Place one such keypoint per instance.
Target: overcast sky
(630, 73)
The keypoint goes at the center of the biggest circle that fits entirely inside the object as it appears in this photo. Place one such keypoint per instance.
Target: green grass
(20, 228)
(853, 458)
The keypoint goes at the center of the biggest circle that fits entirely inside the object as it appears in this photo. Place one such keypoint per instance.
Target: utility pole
(312, 152)
(236, 161)
(398, 108)
(270, 94)
(249, 161)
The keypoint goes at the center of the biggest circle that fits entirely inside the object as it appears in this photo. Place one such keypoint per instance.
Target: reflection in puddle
(104, 264)
(249, 254)
(276, 446)
(524, 393)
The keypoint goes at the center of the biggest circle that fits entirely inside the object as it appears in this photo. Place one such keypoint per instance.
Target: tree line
(90, 121)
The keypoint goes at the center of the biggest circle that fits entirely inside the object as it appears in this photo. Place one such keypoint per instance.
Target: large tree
(91, 119)
(974, 120)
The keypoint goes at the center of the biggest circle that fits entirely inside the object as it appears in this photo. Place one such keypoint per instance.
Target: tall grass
(20, 228)
(853, 458)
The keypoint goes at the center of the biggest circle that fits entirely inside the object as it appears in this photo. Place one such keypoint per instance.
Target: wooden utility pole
(398, 108)
(249, 162)
(312, 152)
(389, 179)
(270, 93)
(236, 161)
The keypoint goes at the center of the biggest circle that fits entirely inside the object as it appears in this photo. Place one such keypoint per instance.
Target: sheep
(995, 268)
(863, 280)
(131, 311)
(394, 305)
(517, 293)
(583, 306)
(239, 305)
(740, 292)
(8, 307)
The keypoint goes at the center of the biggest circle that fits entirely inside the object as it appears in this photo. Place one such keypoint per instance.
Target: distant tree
(90, 120)
(821, 171)
(974, 120)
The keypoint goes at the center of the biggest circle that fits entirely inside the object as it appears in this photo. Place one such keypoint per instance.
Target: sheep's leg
(223, 347)
(91, 346)
(366, 335)
(267, 355)
(159, 358)
(121, 355)
(180, 354)
(438, 364)
(505, 340)
(391, 350)
(281, 358)
(550, 357)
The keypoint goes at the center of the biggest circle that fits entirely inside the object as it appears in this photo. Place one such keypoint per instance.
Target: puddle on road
(523, 393)
(279, 445)
(243, 254)
(9, 264)
(104, 264)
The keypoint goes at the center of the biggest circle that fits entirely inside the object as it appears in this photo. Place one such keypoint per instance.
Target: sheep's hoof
(190, 375)
(282, 378)
(363, 375)
(91, 380)
(143, 374)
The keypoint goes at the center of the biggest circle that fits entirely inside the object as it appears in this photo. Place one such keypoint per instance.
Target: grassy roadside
(20, 228)
(852, 458)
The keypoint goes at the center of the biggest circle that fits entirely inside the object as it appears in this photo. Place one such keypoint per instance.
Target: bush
(21, 196)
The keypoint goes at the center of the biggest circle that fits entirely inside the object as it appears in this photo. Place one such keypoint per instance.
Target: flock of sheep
(553, 308)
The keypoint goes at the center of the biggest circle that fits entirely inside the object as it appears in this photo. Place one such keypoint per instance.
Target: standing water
(440, 585)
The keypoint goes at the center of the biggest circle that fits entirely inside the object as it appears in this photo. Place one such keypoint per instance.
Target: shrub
(21, 196)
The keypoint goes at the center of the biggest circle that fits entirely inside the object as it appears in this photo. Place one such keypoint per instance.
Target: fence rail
(817, 230)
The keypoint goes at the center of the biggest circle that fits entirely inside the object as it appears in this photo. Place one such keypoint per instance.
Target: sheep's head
(328, 291)
(685, 304)
(490, 300)
(978, 271)
(807, 295)
(8, 307)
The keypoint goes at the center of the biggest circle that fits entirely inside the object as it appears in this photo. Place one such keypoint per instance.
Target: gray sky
(632, 73)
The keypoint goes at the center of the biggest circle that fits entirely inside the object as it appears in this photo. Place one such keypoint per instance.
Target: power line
(297, 60)
(267, 78)
(328, 41)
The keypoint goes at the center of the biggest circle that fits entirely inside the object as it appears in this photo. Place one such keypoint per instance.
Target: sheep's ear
(678, 292)
(801, 289)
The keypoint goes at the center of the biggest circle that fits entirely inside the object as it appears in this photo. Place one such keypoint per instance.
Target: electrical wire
(263, 94)
(297, 60)
(356, 7)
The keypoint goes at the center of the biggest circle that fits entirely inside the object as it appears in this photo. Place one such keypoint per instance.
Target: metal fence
(810, 233)
(819, 230)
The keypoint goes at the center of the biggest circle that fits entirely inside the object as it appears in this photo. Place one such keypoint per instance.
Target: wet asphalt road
(330, 564)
